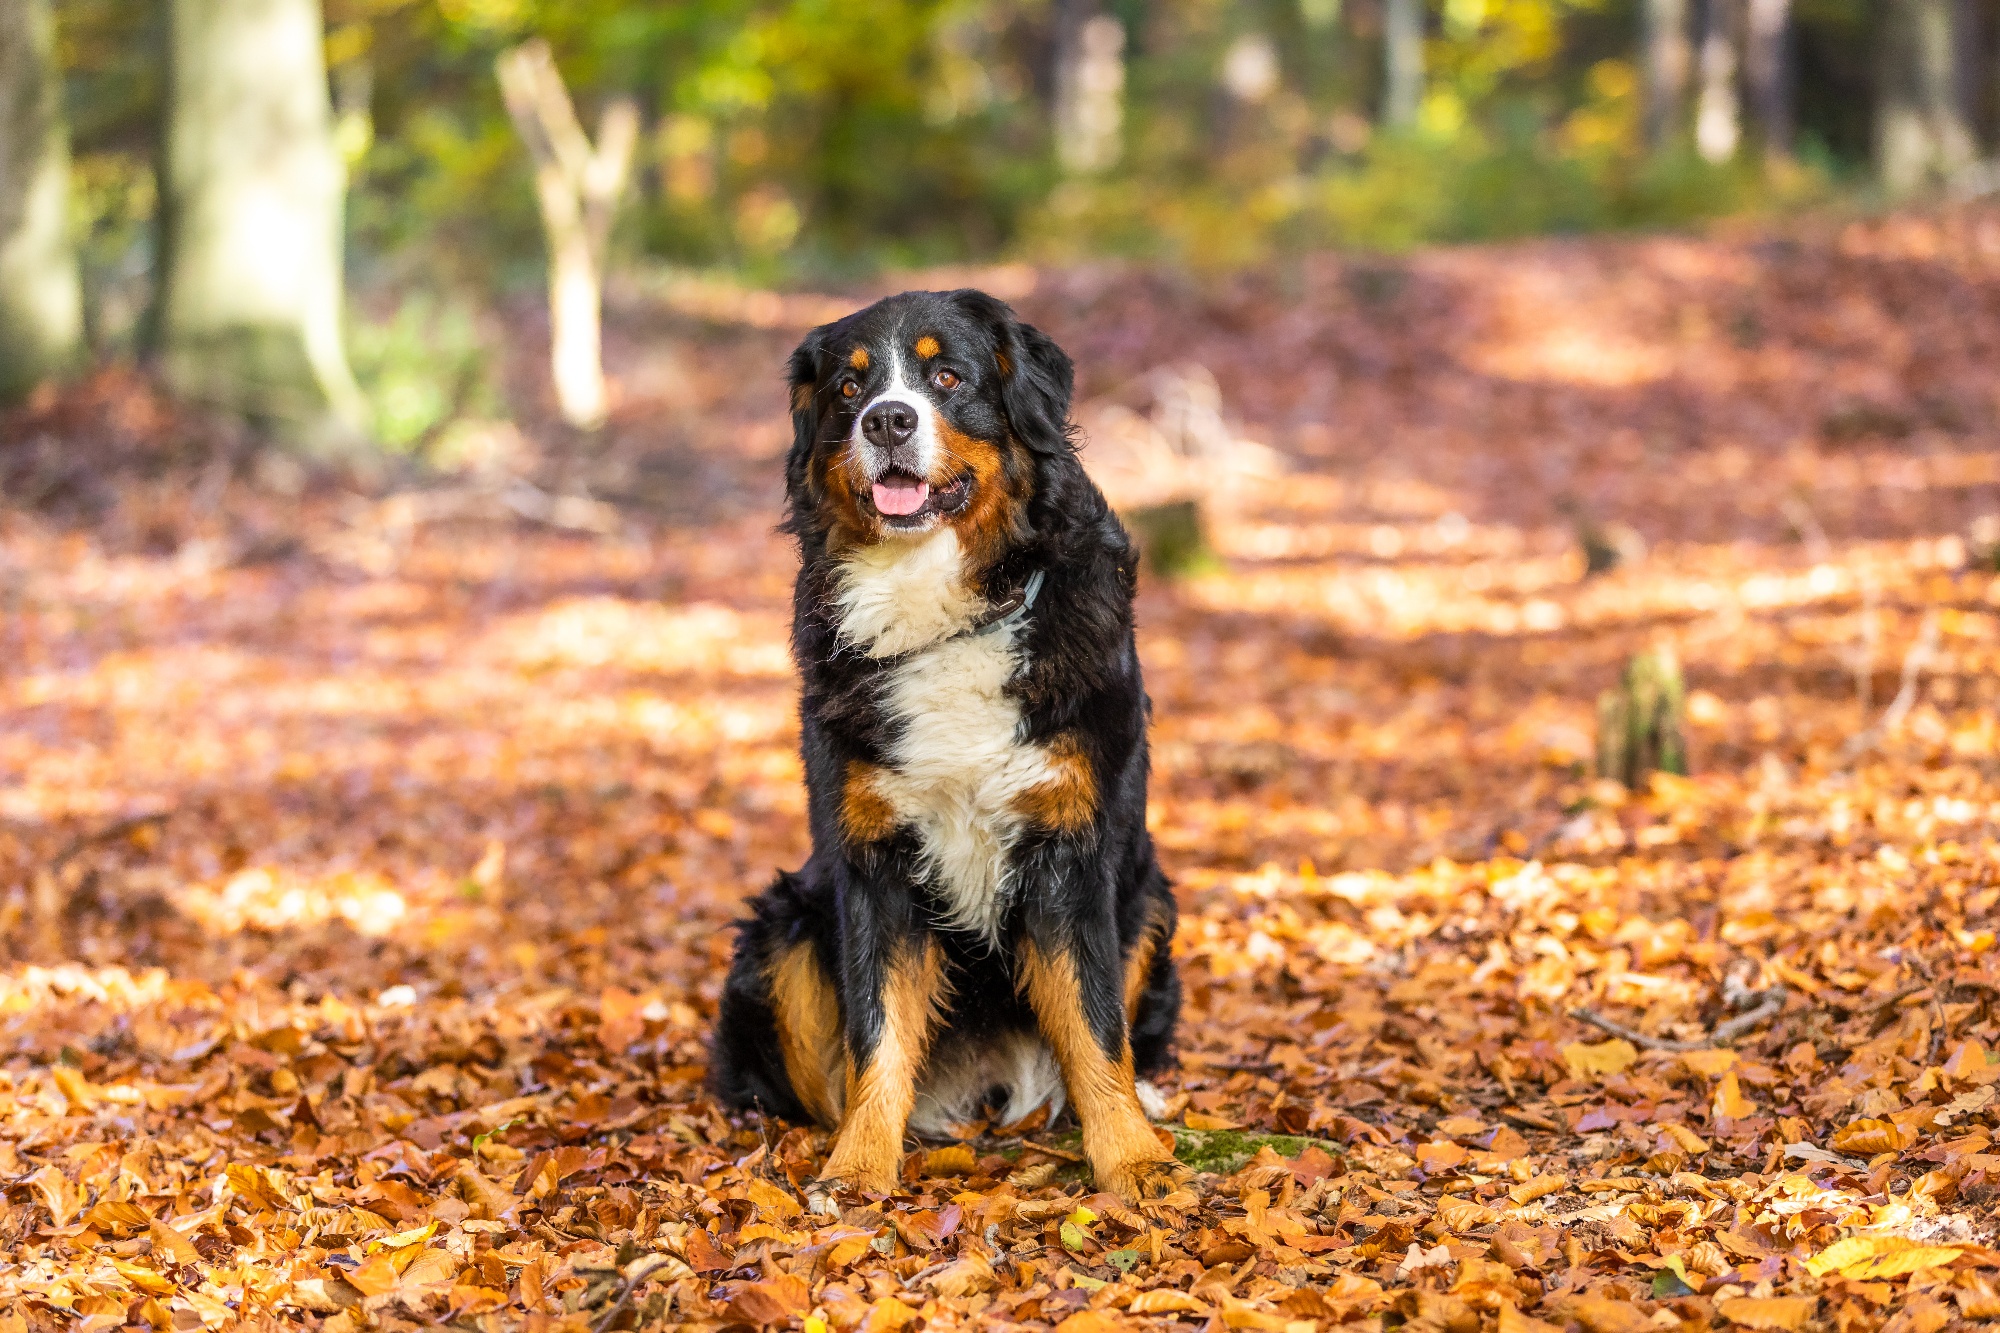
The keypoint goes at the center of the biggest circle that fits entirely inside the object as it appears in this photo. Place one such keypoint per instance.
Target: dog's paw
(824, 1194)
(1135, 1182)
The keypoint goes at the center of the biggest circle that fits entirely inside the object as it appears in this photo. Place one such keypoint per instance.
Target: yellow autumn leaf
(1536, 1187)
(1197, 1120)
(770, 1199)
(404, 1239)
(375, 1277)
(847, 1249)
(145, 1279)
(1709, 1064)
(1852, 1250)
(953, 1160)
(1688, 1140)
(1165, 1300)
(885, 1314)
(1730, 1103)
(75, 1088)
(1900, 1263)
(1606, 1057)
(1867, 1137)
(431, 1267)
(1460, 1215)
(169, 1241)
(1775, 1312)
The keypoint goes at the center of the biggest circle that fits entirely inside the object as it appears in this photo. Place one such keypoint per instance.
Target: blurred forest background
(213, 195)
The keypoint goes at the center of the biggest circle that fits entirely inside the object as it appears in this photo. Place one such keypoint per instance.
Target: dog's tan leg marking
(1139, 965)
(880, 1093)
(1124, 1154)
(808, 1021)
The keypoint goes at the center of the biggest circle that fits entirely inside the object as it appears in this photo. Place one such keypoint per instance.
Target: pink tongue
(901, 497)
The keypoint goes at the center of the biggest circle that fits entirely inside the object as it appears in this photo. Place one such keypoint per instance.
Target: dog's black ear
(802, 377)
(1036, 376)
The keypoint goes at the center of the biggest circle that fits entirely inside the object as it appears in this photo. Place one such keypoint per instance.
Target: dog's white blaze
(924, 442)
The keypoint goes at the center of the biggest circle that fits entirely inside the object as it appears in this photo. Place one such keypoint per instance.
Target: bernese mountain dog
(982, 928)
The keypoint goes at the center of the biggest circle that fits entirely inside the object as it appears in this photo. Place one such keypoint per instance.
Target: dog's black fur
(1093, 892)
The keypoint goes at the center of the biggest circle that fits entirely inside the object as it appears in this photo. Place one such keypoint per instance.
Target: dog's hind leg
(777, 1040)
(892, 1013)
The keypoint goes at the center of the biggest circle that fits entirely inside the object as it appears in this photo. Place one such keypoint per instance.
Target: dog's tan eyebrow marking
(927, 347)
(858, 358)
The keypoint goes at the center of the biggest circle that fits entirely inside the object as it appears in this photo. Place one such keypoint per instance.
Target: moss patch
(1226, 1150)
(1219, 1150)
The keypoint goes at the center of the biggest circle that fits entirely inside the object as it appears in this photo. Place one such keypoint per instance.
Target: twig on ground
(1771, 1004)
(1882, 1009)
(110, 833)
(632, 1283)
(1799, 514)
(1914, 662)
(1769, 1007)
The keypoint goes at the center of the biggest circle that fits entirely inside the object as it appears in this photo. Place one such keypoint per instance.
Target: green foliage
(422, 367)
(1171, 538)
(815, 140)
(111, 205)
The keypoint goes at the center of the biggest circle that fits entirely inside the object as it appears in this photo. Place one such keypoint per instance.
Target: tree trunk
(251, 294)
(41, 307)
(1666, 70)
(1767, 71)
(1403, 62)
(578, 187)
(1718, 123)
(1089, 87)
(1922, 135)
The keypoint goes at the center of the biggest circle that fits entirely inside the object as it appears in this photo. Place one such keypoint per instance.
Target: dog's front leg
(892, 979)
(1070, 971)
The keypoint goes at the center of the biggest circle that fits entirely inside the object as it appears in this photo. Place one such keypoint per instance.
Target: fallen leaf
(778, 1301)
(1606, 1057)
(1867, 1137)
(952, 1160)
(1777, 1312)
(1730, 1103)
(885, 1314)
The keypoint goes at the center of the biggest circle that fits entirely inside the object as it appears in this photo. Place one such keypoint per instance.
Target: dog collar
(1010, 612)
(1015, 609)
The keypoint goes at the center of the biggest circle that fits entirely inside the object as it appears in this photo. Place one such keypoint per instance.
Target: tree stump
(1641, 725)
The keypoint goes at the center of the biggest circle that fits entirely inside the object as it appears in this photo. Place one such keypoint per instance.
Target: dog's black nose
(889, 424)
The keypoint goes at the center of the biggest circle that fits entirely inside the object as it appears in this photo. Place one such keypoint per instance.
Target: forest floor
(367, 852)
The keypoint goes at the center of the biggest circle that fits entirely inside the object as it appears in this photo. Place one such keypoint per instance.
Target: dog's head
(925, 410)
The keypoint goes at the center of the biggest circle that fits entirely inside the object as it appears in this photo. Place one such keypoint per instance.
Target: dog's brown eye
(944, 379)
(848, 389)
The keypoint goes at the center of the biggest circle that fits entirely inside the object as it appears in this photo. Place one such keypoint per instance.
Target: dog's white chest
(957, 765)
